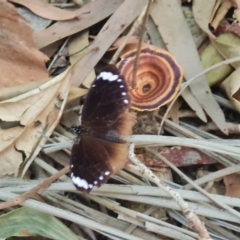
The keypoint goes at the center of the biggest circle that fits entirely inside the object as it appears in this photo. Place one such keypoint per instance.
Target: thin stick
(130, 33)
(44, 184)
(215, 175)
(136, 61)
(191, 217)
(58, 53)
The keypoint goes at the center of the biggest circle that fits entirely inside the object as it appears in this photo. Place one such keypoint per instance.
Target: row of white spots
(106, 174)
(108, 76)
(83, 183)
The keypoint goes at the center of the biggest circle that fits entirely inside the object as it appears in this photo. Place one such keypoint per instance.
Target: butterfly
(99, 151)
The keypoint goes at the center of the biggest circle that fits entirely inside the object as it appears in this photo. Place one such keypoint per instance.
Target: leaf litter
(43, 95)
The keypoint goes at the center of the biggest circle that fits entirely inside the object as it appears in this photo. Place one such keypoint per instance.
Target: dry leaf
(209, 57)
(198, 34)
(231, 183)
(202, 11)
(15, 91)
(220, 13)
(225, 26)
(130, 45)
(37, 23)
(31, 114)
(180, 43)
(46, 10)
(194, 104)
(89, 14)
(75, 93)
(76, 44)
(232, 87)
(154, 35)
(228, 46)
(20, 61)
(235, 3)
(108, 34)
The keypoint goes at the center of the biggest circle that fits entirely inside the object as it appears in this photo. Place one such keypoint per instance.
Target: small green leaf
(28, 222)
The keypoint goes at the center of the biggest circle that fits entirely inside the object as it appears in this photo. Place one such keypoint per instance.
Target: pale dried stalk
(61, 213)
(220, 204)
(139, 46)
(233, 128)
(191, 217)
(213, 176)
(43, 184)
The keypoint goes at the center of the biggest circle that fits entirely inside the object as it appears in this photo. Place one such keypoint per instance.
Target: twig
(130, 33)
(58, 53)
(191, 217)
(44, 184)
(136, 61)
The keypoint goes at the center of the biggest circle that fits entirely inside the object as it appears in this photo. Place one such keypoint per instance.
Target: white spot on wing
(101, 178)
(100, 75)
(105, 75)
(107, 173)
(93, 85)
(90, 186)
(121, 86)
(119, 80)
(84, 183)
(113, 78)
(95, 182)
(77, 181)
(126, 101)
(80, 182)
(124, 94)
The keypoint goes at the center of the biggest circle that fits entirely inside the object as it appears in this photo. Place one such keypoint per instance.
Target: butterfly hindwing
(94, 160)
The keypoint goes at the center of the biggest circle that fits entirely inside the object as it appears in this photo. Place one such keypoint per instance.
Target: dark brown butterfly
(99, 151)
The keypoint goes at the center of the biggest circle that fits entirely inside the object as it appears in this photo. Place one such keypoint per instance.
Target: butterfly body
(100, 151)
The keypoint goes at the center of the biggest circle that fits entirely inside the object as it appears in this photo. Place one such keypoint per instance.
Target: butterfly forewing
(107, 103)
